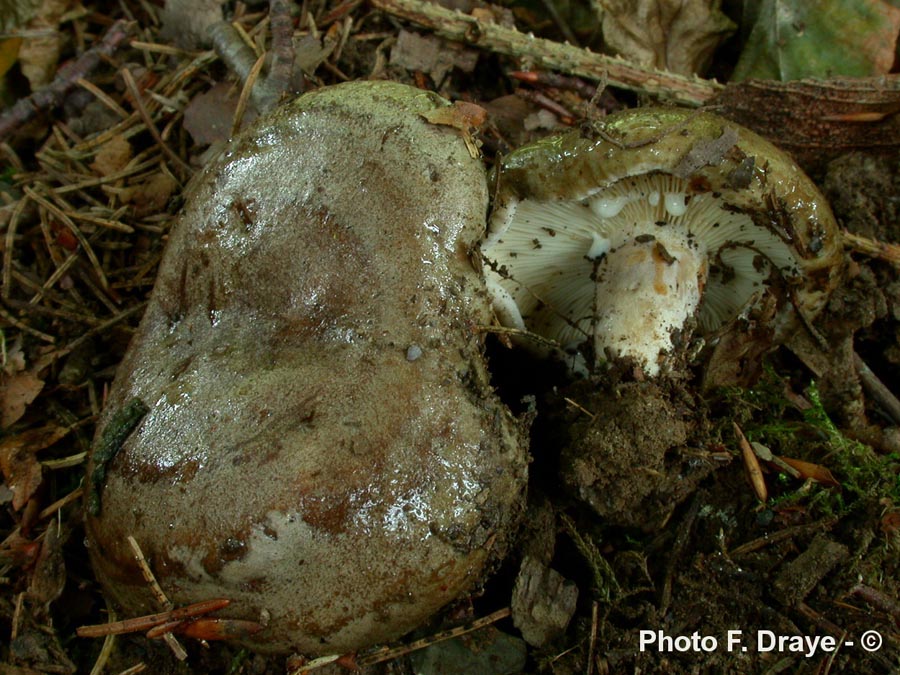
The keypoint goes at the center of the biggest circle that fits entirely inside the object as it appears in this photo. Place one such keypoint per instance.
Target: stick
(282, 28)
(149, 621)
(66, 79)
(876, 389)
(550, 55)
(872, 247)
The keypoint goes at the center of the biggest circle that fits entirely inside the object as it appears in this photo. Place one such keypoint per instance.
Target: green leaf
(795, 39)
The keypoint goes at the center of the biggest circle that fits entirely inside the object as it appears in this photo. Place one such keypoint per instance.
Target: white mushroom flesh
(628, 266)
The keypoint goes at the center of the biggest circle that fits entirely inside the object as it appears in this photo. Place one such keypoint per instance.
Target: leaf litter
(91, 178)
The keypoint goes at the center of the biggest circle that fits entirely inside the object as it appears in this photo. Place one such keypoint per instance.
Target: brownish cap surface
(322, 443)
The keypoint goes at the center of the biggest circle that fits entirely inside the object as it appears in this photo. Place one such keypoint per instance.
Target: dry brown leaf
(431, 55)
(23, 475)
(464, 116)
(15, 357)
(461, 115)
(816, 472)
(17, 391)
(49, 576)
(151, 196)
(39, 56)
(19, 463)
(310, 51)
(209, 115)
(675, 35)
(113, 156)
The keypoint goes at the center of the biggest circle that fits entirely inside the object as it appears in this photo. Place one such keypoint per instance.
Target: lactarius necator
(303, 423)
(667, 220)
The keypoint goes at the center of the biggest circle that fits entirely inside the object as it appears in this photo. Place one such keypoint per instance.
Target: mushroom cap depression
(315, 437)
(662, 220)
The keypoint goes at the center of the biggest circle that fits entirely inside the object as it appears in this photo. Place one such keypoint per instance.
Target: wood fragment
(550, 55)
(817, 119)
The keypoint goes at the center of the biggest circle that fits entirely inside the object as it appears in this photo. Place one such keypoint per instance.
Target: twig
(781, 535)
(551, 55)
(105, 650)
(592, 644)
(161, 598)
(819, 620)
(240, 59)
(575, 404)
(143, 623)
(876, 389)
(878, 599)
(282, 28)
(555, 80)
(547, 103)
(392, 653)
(61, 502)
(674, 558)
(872, 247)
(66, 79)
(25, 327)
(134, 670)
(9, 245)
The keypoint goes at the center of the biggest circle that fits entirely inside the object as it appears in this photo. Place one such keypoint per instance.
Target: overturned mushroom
(303, 423)
(666, 220)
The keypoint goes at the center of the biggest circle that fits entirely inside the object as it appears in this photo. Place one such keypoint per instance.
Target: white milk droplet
(599, 246)
(608, 207)
(654, 198)
(675, 203)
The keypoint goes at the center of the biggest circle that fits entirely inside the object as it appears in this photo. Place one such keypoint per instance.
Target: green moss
(767, 416)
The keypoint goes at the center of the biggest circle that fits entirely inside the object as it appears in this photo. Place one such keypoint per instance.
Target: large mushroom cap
(664, 219)
(320, 443)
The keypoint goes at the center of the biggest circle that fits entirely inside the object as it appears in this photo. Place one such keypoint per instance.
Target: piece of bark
(543, 602)
(817, 120)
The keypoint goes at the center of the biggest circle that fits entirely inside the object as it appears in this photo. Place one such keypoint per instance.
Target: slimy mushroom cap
(664, 219)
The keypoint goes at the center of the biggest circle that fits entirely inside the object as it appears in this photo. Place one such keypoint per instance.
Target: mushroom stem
(646, 291)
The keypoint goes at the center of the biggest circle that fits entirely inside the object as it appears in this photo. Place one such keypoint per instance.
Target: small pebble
(413, 352)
